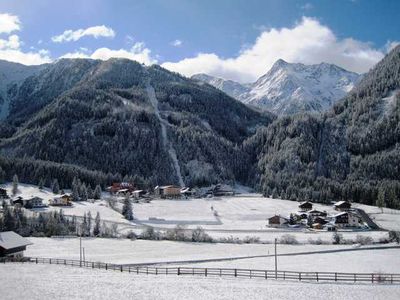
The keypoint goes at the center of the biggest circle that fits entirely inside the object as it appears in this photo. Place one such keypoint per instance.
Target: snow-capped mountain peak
(289, 88)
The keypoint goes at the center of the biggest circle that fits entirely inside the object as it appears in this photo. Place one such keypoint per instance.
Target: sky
(232, 39)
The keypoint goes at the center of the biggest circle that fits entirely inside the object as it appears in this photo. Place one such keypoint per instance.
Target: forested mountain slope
(351, 152)
(99, 115)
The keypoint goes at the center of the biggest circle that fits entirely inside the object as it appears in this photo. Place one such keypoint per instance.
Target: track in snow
(167, 145)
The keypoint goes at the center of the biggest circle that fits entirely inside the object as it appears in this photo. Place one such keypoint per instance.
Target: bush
(337, 238)
(394, 236)
(150, 234)
(176, 234)
(318, 241)
(131, 235)
(288, 239)
(199, 236)
(251, 240)
(364, 240)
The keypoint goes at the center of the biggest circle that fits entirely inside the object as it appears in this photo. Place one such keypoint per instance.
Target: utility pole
(80, 248)
(276, 261)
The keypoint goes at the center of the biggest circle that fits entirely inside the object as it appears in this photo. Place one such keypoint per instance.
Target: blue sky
(233, 39)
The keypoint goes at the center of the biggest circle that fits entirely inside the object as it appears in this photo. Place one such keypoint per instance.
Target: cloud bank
(95, 31)
(9, 23)
(308, 42)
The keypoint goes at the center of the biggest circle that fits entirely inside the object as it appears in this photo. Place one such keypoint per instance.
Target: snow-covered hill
(291, 88)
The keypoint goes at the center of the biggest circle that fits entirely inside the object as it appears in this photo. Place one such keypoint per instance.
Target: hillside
(120, 117)
(351, 152)
(290, 88)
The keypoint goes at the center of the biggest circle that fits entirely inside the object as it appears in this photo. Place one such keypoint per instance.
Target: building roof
(10, 240)
(307, 203)
(340, 203)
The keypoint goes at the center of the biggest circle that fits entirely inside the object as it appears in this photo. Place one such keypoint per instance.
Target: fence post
(50, 260)
(355, 277)
(137, 270)
(316, 273)
(156, 271)
(179, 271)
(391, 278)
(36, 261)
(129, 269)
(284, 275)
(235, 272)
(147, 270)
(300, 276)
(205, 272)
(121, 268)
(220, 272)
(372, 278)
(336, 276)
(266, 274)
(106, 266)
(250, 273)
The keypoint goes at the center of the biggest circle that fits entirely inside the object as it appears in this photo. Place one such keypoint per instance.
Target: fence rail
(220, 272)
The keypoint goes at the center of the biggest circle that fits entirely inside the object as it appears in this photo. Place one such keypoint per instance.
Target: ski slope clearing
(124, 251)
(30, 281)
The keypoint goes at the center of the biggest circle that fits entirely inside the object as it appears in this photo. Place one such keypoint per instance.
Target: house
(342, 206)
(3, 194)
(167, 191)
(118, 186)
(317, 213)
(320, 220)
(277, 220)
(317, 226)
(33, 202)
(64, 200)
(12, 244)
(188, 192)
(347, 219)
(137, 194)
(301, 216)
(221, 190)
(305, 206)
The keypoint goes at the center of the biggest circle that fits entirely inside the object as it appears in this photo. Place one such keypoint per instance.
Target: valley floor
(21, 281)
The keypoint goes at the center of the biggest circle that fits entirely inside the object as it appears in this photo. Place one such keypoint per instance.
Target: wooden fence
(222, 272)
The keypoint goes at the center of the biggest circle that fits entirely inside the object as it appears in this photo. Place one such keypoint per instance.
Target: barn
(305, 206)
(12, 244)
(167, 191)
(342, 206)
(277, 220)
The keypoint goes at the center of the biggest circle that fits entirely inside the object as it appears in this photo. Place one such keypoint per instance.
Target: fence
(221, 272)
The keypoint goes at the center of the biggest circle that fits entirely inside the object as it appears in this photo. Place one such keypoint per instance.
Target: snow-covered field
(21, 281)
(238, 216)
(123, 251)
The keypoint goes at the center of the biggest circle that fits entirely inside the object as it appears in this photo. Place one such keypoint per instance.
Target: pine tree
(127, 209)
(83, 192)
(90, 192)
(97, 192)
(41, 184)
(55, 186)
(381, 201)
(14, 190)
(75, 190)
(96, 229)
(89, 223)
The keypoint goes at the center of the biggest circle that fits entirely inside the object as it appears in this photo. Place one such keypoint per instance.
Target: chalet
(33, 202)
(317, 213)
(188, 192)
(3, 194)
(305, 206)
(317, 226)
(137, 194)
(277, 220)
(320, 220)
(347, 219)
(64, 200)
(119, 186)
(12, 244)
(221, 190)
(342, 206)
(301, 215)
(167, 191)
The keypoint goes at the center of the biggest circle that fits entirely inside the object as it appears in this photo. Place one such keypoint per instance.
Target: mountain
(11, 75)
(291, 88)
(351, 152)
(120, 117)
(229, 87)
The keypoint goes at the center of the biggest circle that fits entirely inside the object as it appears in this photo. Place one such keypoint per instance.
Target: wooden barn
(305, 206)
(167, 191)
(277, 220)
(342, 206)
(12, 244)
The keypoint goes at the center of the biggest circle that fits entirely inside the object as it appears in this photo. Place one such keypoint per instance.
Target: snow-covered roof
(341, 203)
(123, 190)
(10, 240)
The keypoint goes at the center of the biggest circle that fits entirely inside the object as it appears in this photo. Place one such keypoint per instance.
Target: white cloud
(138, 53)
(26, 58)
(12, 42)
(307, 42)
(9, 23)
(390, 45)
(307, 6)
(95, 31)
(176, 43)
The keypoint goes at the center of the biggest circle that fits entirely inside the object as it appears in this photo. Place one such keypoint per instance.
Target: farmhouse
(64, 200)
(121, 187)
(305, 206)
(33, 202)
(12, 244)
(3, 194)
(347, 219)
(317, 213)
(167, 191)
(342, 206)
(137, 194)
(277, 220)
